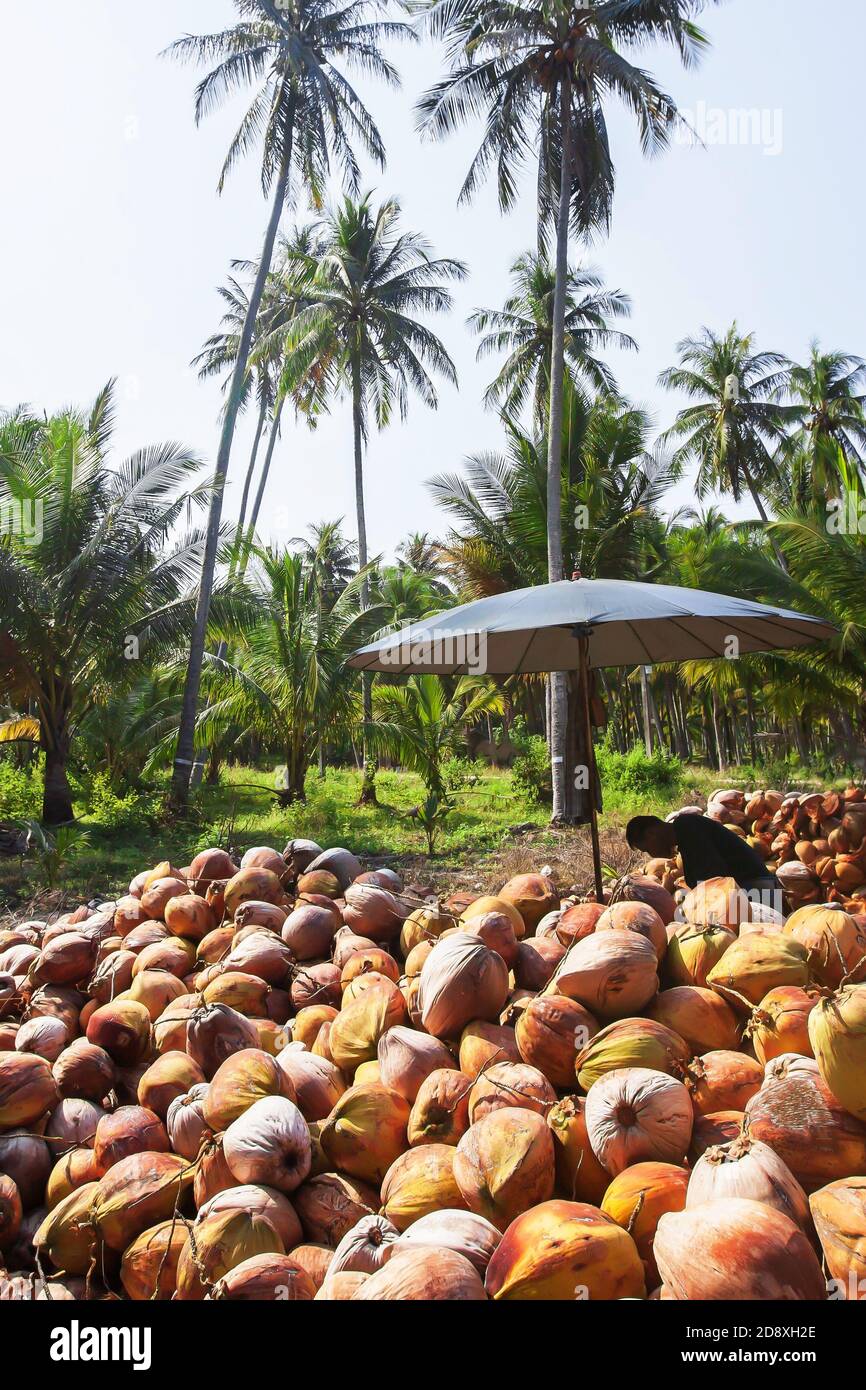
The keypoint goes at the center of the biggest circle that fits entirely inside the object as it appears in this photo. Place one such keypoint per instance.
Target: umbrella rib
(631, 627)
(519, 667)
(692, 636)
(767, 622)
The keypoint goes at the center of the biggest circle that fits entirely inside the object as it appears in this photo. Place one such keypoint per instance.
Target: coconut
(330, 1204)
(722, 1081)
(754, 965)
(636, 917)
(780, 1024)
(406, 1058)
(11, 1211)
(464, 1232)
(245, 993)
(635, 1115)
(839, 1214)
(161, 890)
(363, 967)
(347, 944)
(148, 934)
(355, 1032)
(67, 1236)
(641, 888)
(263, 857)
(504, 1164)
(340, 1287)
(374, 912)
(831, 938)
(45, 1037)
(423, 1276)
(577, 921)
(440, 1113)
(637, 1200)
(73, 1170)
(424, 924)
(738, 1249)
(219, 1245)
(156, 990)
(837, 1032)
(550, 1032)
(189, 916)
(122, 1029)
(419, 1182)
(309, 931)
(579, 1175)
(366, 1131)
(174, 954)
(693, 951)
(57, 1001)
(722, 1127)
(210, 866)
(257, 1201)
(533, 895)
(631, 1042)
(169, 1077)
(717, 902)
(67, 960)
(699, 1016)
(365, 1247)
(477, 907)
(241, 1080)
(565, 1250)
(148, 1269)
(138, 1192)
(497, 932)
(318, 1084)
(537, 961)
(72, 1124)
(748, 1168)
(27, 1159)
(802, 1121)
(112, 976)
(510, 1084)
(318, 883)
(215, 946)
(130, 1130)
(186, 1124)
(611, 973)
(483, 1043)
(461, 980)
(212, 1173)
(251, 885)
(316, 984)
(262, 954)
(275, 1278)
(128, 913)
(214, 1032)
(27, 1090)
(305, 1026)
(269, 1144)
(341, 863)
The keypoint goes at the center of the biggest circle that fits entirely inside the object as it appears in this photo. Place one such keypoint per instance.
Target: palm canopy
(530, 70)
(419, 722)
(735, 424)
(827, 396)
(523, 329)
(304, 108)
(360, 332)
(611, 488)
(100, 582)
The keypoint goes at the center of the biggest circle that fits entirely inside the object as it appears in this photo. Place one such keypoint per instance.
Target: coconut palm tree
(304, 111)
(827, 394)
(542, 74)
(735, 424)
(523, 329)
(93, 585)
(289, 681)
(362, 335)
(419, 722)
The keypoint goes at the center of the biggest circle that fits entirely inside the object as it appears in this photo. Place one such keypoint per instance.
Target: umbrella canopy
(626, 623)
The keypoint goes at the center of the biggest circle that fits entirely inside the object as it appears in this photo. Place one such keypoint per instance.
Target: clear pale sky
(113, 238)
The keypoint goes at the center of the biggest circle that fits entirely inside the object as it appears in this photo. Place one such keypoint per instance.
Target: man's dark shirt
(710, 850)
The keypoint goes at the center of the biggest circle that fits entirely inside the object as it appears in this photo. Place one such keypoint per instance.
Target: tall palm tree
(362, 336)
(523, 329)
(828, 394)
(304, 111)
(542, 73)
(95, 584)
(735, 424)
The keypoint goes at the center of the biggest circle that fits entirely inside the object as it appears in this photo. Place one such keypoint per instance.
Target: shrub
(113, 812)
(634, 775)
(530, 770)
(20, 792)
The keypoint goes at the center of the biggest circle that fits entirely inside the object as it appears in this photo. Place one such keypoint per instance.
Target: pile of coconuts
(290, 1078)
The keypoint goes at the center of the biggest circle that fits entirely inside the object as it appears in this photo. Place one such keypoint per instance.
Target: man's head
(655, 837)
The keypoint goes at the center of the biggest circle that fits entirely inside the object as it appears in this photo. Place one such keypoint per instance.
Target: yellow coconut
(148, 1269)
(217, 1245)
(355, 1032)
(754, 965)
(565, 1251)
(419, 1182)
(839, 1214)
(638, 1198)
(67, 1235)
(631, 1042)
(366, 1131)
(837, 1032)
(505, 1164)
(579, 1175)
(242, 1079)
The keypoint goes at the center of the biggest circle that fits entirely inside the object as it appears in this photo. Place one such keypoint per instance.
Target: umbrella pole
(584, 683)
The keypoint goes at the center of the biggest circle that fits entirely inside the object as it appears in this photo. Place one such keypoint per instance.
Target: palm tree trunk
(647, 713)
(558, 681)
(248, 480)
(263, 482)
(183, 757)
(368, 782)
(56, 792)
(762, 513)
